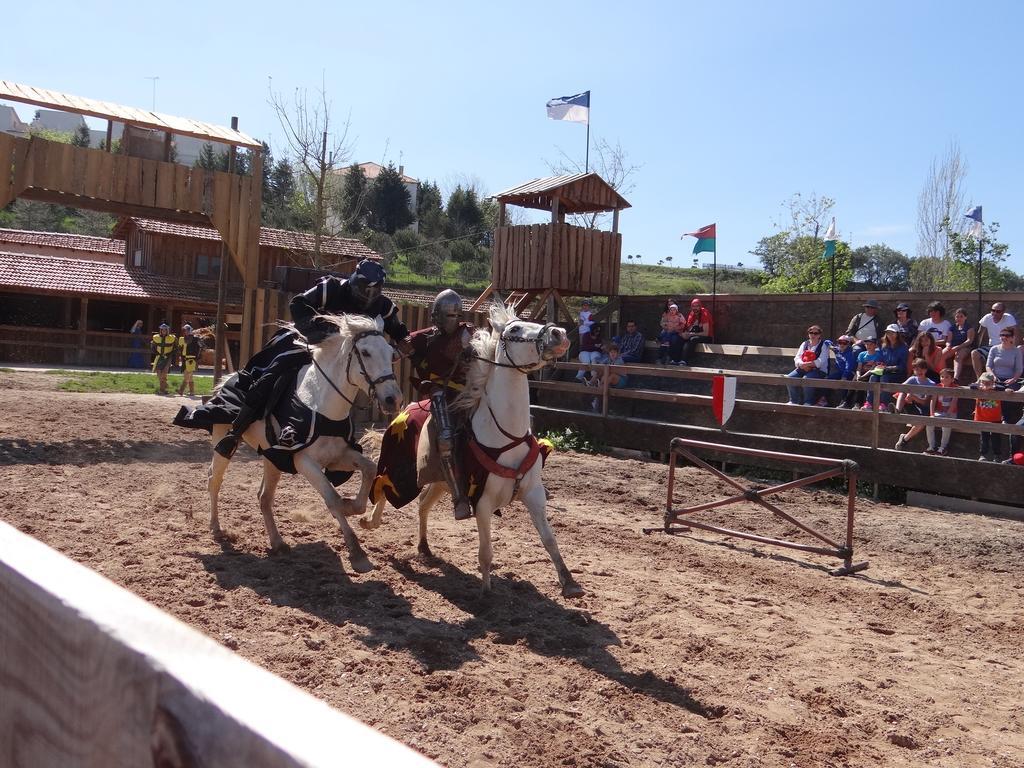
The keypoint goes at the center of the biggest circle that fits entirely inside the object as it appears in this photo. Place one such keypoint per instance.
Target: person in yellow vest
(163, 348)
(189, 348)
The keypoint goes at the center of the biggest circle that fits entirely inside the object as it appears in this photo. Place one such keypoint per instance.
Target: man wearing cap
(163, 347)
(696, 330)
(988, 334)
(189, 348)
(360, 294)
(865, 324)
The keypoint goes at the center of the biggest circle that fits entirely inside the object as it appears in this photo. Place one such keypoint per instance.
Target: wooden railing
(841, 433)
(574, 260)
(94, 675)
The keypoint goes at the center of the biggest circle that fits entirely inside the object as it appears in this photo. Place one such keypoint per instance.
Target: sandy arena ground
(685, 650)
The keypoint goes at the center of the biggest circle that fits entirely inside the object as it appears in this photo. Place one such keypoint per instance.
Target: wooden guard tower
(140, 180)
(536, 265)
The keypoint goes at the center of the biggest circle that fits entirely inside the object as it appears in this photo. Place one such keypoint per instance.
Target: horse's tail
(371, 442)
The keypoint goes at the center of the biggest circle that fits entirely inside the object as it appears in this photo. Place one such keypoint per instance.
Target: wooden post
(110, 135)
(220, 340)
(83, 328)
(554, 209)
(615, 221)
(604, 390)
(501, 214)
(167, 147)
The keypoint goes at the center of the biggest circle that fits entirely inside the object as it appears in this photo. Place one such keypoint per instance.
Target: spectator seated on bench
(843, 368)
(915, 405)
(631, 344)
(669, 340)
(615, 380)
(811, 361)
(591, 349)
(696, 330)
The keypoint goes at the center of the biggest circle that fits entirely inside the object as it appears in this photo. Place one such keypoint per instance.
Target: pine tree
(82, 137)
(430, 210)
(389, 202)
(207, 157)
(353, 200)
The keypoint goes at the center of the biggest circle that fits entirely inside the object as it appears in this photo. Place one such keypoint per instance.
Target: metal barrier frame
(678, 520)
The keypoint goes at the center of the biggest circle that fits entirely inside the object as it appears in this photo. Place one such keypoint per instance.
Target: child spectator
(915, 405)
(961, 341)
(669, 342)
(907, 324)
(845, 368)
(867, 362)
(937, 324)
(811, 361)
(615, 379)
(586, 319)
(925, 348)
(989, 412)
(942, 407)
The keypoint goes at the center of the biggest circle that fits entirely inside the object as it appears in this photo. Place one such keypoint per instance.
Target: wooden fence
(865, 436)
(95, 676)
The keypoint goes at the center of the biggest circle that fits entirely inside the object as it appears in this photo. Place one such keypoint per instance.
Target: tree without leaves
(941, 200)
(317, 148)
(611, 162)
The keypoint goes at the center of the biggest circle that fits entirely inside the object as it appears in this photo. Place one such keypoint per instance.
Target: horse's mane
(484, 345)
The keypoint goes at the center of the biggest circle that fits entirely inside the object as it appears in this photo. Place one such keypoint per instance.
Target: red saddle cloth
(396, 467)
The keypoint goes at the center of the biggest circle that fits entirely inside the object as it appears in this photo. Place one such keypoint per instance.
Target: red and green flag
(705, 239)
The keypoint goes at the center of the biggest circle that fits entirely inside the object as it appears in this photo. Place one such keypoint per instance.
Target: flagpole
(586, 163)
(714, 277)
(980, 256)
(832, 306)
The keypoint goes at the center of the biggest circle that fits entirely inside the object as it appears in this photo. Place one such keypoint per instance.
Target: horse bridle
(504, 340)
(362, 367)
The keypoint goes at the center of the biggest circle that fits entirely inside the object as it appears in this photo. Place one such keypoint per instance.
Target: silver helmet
(446, 313)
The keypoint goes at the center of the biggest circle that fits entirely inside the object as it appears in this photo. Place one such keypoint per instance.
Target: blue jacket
(846, 362)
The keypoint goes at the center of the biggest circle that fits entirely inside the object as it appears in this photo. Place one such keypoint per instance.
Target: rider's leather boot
(463, 509)
(228, 444)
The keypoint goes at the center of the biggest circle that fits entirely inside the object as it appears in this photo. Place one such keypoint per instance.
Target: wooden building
(140, 178)
(541, 263)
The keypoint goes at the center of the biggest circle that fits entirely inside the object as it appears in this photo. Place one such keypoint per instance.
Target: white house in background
(187, 148)
(11, 123)
(372, 171)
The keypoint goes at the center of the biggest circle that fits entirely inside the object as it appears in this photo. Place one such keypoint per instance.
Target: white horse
(356, 359)
(497, 395)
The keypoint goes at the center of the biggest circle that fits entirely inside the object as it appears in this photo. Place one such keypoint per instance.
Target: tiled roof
(51, 274)
(63, 240)
(271, 238)
(372, 170)
(423, 298)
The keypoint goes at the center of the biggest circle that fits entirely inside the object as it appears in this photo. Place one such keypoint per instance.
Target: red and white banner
(723, 397)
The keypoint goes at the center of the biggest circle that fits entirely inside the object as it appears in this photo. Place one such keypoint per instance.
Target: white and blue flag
(575, 109)
(975, 215)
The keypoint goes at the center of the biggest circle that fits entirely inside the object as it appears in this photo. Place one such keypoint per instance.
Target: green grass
(6, 370)
(399, 274)
(570, 439)
(129, 383)
(652, 280)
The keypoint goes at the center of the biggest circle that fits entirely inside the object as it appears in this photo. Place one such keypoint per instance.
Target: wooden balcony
(573, 260)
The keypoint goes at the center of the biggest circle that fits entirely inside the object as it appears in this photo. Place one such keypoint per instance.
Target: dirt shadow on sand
(517, 613)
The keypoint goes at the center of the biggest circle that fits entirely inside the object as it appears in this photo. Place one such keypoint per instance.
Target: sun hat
(902, 305)
(872, 339)
(844, 339)
(892, 327)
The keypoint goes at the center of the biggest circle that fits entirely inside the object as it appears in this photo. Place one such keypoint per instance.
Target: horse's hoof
(280, 549)
(362, 565)
(424, 550)
(366, 524)
(572, 589)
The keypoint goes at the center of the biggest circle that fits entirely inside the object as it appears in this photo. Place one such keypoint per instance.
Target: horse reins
(362, 367)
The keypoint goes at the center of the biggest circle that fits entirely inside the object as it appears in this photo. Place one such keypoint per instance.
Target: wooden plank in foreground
(91, 675)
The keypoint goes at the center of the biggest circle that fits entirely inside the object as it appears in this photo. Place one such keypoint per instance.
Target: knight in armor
(439, 358)
(359, 294)
(163, 347)
(189, 348)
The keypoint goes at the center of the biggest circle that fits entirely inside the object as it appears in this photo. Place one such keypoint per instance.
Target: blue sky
(728, 107)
